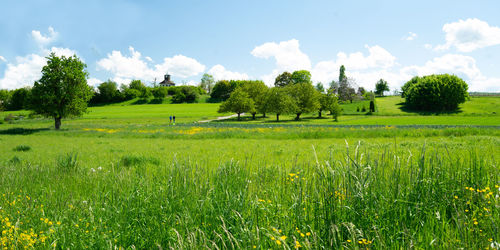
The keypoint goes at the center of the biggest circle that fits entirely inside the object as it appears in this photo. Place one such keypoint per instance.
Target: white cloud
(44, 40)
(125, 68)
(469, 35)
(180, 66)
(410, 37)
(378, 58)
(94, 82)
(220, 73)
(149, 58)
(26, 70)
(2, 59)
(287, 54)
(464, 66)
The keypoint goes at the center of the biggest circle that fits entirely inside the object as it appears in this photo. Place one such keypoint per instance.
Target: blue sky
(125, 40)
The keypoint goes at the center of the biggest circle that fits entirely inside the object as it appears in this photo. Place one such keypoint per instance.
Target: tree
(62, 91)
(305, 97)
(336, 110)
(141, 87)
(19, 99)
(319, 87)
(239, 102)
(342, 75)
(301, 76)
(279, 102)
(108, 92)
(361, 91)
(334, 86)
(4, 99)
(187, 94)
(407, 85)
(282, 80)
(222, 90)
(207, 82)
(159, 92)
(256, 90)
(381, 86)
(436, 93)
(326, 101)
(347, 90)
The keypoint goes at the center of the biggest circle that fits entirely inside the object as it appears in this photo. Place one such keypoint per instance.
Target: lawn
(122, 176)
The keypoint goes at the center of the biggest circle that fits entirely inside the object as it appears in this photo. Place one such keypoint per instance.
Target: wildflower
(278, 242)
(456, 197)
(283, 237)
(302, 234)
(308, 234)
(349, 241)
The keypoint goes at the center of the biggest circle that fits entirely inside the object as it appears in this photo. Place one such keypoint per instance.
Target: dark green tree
(19, 99)
(305, 98)
(159, 93)
(282, 80)
(62, 91)
(326, 101)
(319, 87)
(380, 87)
(4, 99)
(108, 92)
(279, 102)
(256, 90)
(342, 76)
(239, 102)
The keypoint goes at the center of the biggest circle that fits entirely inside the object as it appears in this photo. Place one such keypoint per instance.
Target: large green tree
(305, 97)
(62, 91)
(256, 90)
(108, 92)
(239, 102)
(207, 82)
(436, 93)
(279, 102)
(326, 101)
(301, 76)
(283, 79)
(380, 87)
(19, 99)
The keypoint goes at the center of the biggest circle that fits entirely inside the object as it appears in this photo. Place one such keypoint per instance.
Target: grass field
(122, 177)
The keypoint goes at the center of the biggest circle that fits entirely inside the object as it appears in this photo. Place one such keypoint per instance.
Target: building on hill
(167, 82)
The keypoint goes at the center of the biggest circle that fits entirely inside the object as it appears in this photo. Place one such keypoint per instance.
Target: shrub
(185, 94)
(363, 109)
(22, 148)
(131, 94)
(372, 106)
(435, 92)
(160, 92)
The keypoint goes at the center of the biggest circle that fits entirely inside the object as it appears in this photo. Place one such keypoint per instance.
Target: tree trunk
(253, 116)
(264, 115)
(239, 117)
(298, 116)
(319, 113)
(277, 117)
(58, 122)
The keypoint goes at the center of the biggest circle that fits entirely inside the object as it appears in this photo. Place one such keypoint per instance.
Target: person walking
(174, 119)
(170, 120)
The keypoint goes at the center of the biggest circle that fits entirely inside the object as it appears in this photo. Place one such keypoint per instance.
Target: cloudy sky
(125, 40)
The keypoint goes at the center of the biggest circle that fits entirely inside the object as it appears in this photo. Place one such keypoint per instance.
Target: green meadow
(122, 176)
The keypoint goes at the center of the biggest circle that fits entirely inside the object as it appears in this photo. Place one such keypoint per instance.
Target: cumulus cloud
(44, 40)
(2, 59)
(410, 37)
(378, 58)
(464, 66)
(220, 73)
(94, 82)
(26, 70)
(125, 68)
(287, 54)
(469, 35)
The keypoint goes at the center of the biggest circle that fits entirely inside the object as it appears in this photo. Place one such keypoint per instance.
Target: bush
(185, 94)
(22, 148)
(160, 92)
(131, 94)
(372, 106)
(435, 92)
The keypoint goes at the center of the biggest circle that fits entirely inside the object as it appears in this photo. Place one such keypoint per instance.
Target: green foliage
(407, 85)
(4, 99)
(207, 82)
(222, 90)
(342, 76)
(327, 101)
(283, 79)
(336, 111)
(306, 98)
(380, 87)
(372, 106)
(19, 99)
(187, 94)
(256, 91)
(67, 162)
(319, 87)
(22, 148)
(107, 93)
(436, 93)
(301, 76)
(62, 91)
(160, 92)
(130, 94)
(239, 102)
(279, 102)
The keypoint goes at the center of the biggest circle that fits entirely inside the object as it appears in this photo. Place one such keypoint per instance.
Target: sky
(132, 39)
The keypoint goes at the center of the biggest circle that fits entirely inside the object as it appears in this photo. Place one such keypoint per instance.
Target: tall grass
(358, 198)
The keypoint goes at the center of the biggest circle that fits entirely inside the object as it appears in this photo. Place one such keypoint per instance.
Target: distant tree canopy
(381, 86)
(239, 102)
(279, 102)
(207, 82)
(301, 76)
(283, 79)
(435, 92)
(19, 99)
(256, 91)
(305, 96)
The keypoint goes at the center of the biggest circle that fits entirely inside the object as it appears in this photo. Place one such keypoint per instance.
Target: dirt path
(221, 118)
